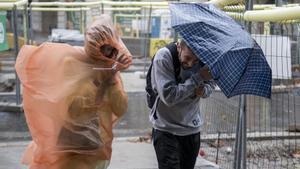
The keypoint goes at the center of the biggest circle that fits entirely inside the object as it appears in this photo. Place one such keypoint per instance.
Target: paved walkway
(126, 155)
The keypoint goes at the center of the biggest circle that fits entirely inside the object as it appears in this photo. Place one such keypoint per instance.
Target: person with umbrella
(176, 115)
(214, 47)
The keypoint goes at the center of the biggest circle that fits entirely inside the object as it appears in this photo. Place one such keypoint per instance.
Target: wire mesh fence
(279, 126)
(218, 134)
(272, 125)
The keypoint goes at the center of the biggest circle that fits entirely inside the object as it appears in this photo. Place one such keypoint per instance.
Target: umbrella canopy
(236, 61)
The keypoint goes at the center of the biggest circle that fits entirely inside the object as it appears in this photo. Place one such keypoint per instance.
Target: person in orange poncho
(72, 97)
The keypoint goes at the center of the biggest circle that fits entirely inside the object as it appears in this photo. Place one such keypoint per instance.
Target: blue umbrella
(236, 61)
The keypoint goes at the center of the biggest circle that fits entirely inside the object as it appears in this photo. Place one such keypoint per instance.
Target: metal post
(102, 8)
(176, 33)
(25, 24)
(237, 150)
(278, 2)
(30, 29)
(82, 21)
(15, 27)
(298, 44)
(137, 30)
(243, 108)
(281, 2)
(236, 145)
(175, 36)
(275, 27)
(240, 158)
(147, 40)
(218, 147)
(244, 131)
(249, 6)
(149, 26)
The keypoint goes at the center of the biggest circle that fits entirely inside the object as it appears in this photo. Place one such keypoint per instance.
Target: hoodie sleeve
(164, 80)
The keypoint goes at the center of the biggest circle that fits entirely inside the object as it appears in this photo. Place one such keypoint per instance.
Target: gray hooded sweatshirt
(177, 107)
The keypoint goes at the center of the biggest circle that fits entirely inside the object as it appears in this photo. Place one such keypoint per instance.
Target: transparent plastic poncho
(72, 97)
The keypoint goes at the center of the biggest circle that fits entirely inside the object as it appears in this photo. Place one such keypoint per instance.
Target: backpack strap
(176, 63)
(172, 47)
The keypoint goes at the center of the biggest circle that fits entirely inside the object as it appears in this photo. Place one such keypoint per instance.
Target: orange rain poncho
(70, 106)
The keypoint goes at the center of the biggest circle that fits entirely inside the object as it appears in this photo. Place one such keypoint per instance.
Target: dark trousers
(175, 152)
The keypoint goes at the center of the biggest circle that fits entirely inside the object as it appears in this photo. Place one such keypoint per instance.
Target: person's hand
(205, 73)
(123, 62)
(199, 91)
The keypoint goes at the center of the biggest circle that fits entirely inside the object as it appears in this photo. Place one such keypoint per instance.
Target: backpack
(151, 94)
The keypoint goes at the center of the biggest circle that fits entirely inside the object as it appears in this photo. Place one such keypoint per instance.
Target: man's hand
(200, 91)
(205, 73)
(123, 62)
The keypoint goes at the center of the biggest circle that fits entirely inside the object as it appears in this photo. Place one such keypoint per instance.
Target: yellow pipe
(157, 7)
(79, 9)
(21, 2)
(291, 21)
(132, 15)
(98, 3)
(130, 3)
(128, 15)
(65, 4)
(241, 8)
(240, 16)
(59, 9)
(10, 5)
(8, 1)
(223, 3)
(122, 9)
(274, 15)
(235, 15)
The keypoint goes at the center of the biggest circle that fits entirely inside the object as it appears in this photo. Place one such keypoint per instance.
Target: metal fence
(272, 125)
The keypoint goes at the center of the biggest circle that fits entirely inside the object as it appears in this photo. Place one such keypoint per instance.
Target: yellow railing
(274, 15)
(12, 4)
(267, 12)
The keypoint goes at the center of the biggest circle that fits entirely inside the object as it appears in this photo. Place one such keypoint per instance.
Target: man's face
(187, 58)
(109, 51)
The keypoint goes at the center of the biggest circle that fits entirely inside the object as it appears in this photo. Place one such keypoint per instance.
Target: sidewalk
(141, 155)
(126, 155)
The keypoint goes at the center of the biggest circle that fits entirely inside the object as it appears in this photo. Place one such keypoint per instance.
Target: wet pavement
(126, 155)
